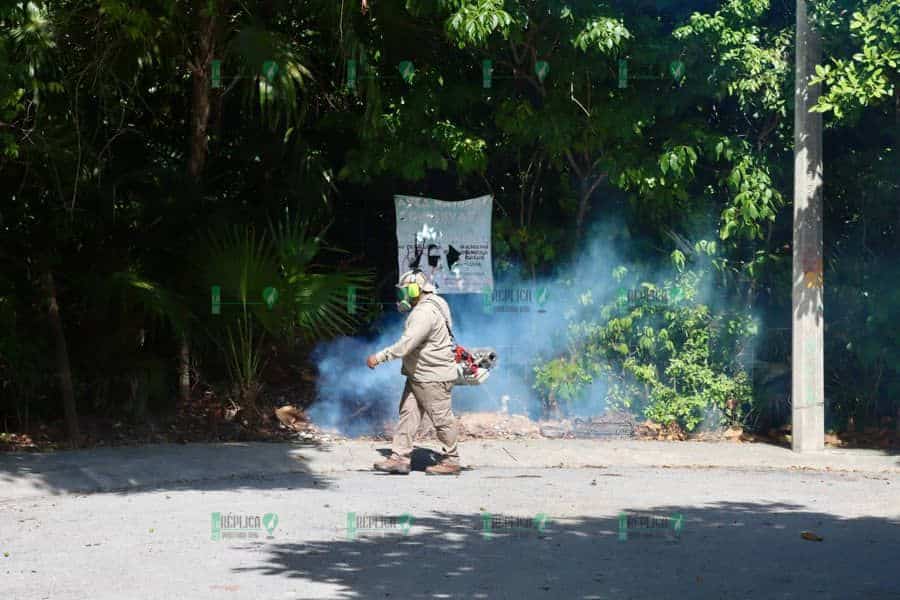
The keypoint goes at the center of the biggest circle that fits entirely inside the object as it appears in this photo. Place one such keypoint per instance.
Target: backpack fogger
(473, 367)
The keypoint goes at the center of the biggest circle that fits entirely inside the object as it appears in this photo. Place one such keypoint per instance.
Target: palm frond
(311, 304)
(131, 291)
(321, 302)
(243, 263)
(278, 91)
(244, 356)
(152, 298)
(320, 306)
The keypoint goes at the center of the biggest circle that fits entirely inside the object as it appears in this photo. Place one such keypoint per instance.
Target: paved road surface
(146, 530)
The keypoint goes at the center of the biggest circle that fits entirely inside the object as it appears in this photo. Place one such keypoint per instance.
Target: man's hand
(372, 361)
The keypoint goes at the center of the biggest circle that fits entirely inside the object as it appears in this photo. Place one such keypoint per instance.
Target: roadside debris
(610, 425)
(292, 418)
(206, 418)
(481, 425)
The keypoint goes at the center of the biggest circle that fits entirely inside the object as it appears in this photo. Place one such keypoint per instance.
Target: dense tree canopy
(151, 149)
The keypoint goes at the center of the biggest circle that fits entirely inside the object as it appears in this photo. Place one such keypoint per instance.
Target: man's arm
(415, 333)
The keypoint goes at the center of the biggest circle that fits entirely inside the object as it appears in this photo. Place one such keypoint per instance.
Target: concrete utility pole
(807, 370)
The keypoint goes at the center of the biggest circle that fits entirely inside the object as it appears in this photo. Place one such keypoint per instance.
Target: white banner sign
(449, 241)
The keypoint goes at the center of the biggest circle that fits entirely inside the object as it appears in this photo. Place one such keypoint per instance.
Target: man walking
(426, 348)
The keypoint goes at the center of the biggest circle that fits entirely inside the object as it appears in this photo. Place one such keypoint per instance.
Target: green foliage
(754, 199)
(25, 51)
(529, 247)
(604, 34)
(672, 362)
(475, 20)
(96, 116)
(23, 360)
(319, 308)
(242, 263)
(871, 74)
(311, 305)
(409, 138)
(862, 344)
(750, 57)
(244, 359)
(137, 292)
(469, 153)
(280, 98)
(562, 377)
(671, 175)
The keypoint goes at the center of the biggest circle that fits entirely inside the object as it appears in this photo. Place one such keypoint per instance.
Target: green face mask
(406, 295)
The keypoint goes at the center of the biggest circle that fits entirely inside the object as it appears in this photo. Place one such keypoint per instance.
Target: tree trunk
(199, 144)
(897, 101)
(586, 189)
(807, 385)
(583, 172)
(200, 93)
(584, 199)
(63, 368)
(184, 369)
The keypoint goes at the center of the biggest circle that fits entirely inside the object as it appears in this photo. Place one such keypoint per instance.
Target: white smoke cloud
(529, 322)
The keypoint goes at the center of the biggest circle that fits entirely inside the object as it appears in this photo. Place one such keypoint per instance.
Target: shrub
(672, 361)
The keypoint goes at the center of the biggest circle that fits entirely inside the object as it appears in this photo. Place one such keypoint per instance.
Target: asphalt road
(740, 535)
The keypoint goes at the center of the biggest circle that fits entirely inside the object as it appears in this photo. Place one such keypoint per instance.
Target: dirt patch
(282, 418)
(205, 418)
(505, 426)
(610, 425)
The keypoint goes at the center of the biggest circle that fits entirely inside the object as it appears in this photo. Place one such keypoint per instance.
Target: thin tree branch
(572, 162)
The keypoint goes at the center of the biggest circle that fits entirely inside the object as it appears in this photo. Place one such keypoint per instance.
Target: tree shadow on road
(158, 467)
(725, 550)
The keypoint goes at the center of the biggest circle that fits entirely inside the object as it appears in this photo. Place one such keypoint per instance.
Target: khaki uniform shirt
(425, 346)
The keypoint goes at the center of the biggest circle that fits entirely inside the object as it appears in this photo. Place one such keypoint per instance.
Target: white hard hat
(419, 278)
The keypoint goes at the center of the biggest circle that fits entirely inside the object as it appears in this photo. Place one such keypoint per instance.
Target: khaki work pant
(434, 400)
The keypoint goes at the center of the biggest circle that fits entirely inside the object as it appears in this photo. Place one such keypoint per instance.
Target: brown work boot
(445, 467)
(395, 464)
